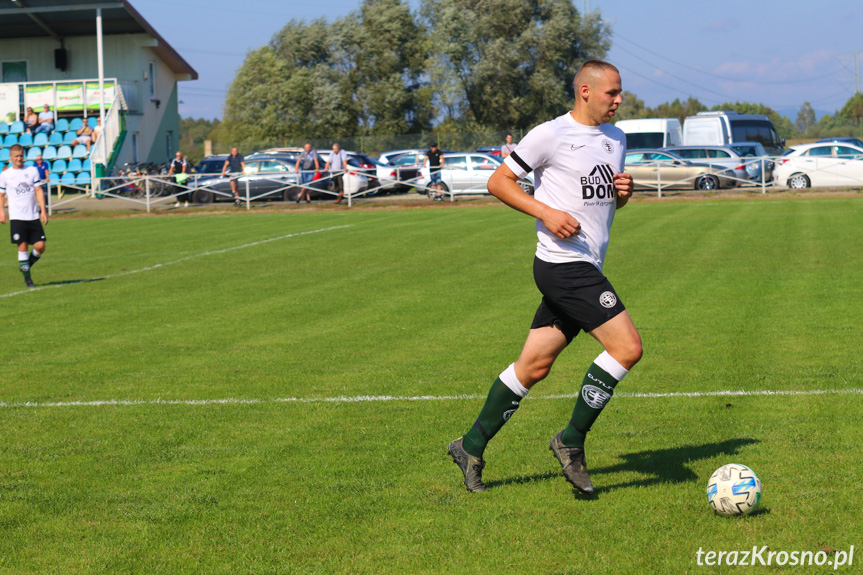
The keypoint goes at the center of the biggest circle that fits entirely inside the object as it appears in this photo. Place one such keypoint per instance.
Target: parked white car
(822, 164)
(467, 173)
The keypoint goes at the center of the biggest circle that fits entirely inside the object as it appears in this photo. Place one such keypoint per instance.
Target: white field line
(170, 263)
(392, 398)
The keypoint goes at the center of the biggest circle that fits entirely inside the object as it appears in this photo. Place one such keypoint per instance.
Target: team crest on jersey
(607, 299)
(598, 184)
(607, 145)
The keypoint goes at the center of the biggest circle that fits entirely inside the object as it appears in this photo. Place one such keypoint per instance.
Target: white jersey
(573, 167)
(20, 189)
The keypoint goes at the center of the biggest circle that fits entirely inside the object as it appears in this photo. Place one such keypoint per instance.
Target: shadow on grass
(659, 466)
(67, 282)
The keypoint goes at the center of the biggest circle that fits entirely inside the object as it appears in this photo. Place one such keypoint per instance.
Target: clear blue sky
(780, 53)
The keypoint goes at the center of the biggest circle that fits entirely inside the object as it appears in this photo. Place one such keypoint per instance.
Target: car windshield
(210, 166)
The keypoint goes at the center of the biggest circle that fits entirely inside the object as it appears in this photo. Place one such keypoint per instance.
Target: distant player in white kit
(577, 160)
(20, 188)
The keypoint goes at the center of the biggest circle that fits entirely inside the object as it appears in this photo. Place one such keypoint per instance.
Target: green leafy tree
(512, 62)
(632, 108)
(678, 109)
(805, 118)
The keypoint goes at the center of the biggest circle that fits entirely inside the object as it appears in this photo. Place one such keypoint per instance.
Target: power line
(775, 83)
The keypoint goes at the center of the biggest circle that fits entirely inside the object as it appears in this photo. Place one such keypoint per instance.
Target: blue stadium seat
(56, 138)
(76, 124)
(62, 125)
(92, 121)
(64, 153)
(16, 127)
(74, 165)
(10, 140)
(59, 166)
(40, 139)
(25, 140)
(68, 178)
(29, 164)
(54, 178)
(83, 179)
(49, 153)
(80, 151)
(4, 154)
(33, 152)
(4, 128)
(85, 165)
(69, 137)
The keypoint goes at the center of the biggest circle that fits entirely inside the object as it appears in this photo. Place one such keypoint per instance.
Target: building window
(170, 143)
(151, 77)
(14, 71)
(135, 147)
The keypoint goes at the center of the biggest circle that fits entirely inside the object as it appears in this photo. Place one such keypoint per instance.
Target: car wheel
(526, 186)
(202, 197)
(707, 183)
(290, 194)
(799, 182)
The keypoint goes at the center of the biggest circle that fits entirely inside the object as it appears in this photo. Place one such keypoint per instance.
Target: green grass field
(117, 455)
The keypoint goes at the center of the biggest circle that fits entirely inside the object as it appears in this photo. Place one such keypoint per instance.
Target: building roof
(64, 18)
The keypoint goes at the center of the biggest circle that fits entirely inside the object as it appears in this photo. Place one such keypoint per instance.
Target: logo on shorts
(608, 299)
(607, 146)
(594, 397)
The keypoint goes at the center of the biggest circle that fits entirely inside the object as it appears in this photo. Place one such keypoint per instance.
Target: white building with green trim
(52, 52)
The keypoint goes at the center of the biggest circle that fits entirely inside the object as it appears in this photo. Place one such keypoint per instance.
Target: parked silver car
(721, 157)
(467, 173)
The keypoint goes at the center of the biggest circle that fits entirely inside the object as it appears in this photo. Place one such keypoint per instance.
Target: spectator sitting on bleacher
(97, 130)
(46, 121)
(85, 136)
(31, 120)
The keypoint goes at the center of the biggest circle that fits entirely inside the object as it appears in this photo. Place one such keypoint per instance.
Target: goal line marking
(393, 398)
(177, 261)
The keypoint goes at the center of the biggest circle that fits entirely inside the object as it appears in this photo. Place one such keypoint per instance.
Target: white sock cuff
(610, 365)
(509, 379)
(23, 256)
(35, 253)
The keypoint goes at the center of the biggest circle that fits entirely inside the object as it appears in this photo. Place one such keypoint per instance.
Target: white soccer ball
(734, 489)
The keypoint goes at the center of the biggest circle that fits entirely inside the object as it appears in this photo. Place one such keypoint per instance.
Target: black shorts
(575, 296)
(26, 231)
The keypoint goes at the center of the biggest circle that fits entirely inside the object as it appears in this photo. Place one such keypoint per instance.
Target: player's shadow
(652, 466)
(67, 282)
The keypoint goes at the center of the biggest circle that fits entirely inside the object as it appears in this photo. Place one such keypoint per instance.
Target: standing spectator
(179, 169)
(97, 131)
(20, 187)
(507, 148)
(337, 163)
(434, 160)
(236, 164)
(43, 169)
(31, 120)
(46, 121)
(308, 159)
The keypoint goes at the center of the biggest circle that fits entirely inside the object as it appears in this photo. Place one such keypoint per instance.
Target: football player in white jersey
(19, 187)
(577, 160)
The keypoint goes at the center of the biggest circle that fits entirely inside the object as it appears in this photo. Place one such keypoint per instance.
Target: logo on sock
(508, 413)
(608, 299)
(594, 397)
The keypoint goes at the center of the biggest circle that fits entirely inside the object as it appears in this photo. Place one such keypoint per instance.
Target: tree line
(472, 66)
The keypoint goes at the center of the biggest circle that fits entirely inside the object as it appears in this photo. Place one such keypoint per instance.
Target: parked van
(723, 127)
(651, 133)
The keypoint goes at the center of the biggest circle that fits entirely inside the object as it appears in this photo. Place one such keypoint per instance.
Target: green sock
(34, 257)
(499, 406)
(596, 391)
